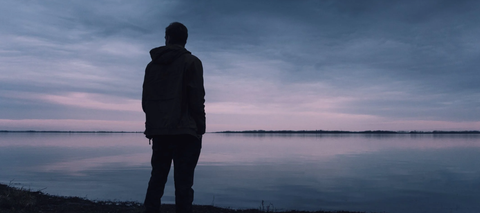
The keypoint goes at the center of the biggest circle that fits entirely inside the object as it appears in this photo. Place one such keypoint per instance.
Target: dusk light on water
(393, 173)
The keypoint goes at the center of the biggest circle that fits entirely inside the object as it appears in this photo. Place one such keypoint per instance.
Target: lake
(393, 173)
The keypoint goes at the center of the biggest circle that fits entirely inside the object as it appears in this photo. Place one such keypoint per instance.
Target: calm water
(381, 173)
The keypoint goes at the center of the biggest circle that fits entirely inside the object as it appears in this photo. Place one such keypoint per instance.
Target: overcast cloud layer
(349, 65)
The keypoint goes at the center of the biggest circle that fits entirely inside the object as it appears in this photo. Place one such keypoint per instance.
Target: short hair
(177, 33)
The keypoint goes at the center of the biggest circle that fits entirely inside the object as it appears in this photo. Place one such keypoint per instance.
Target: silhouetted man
(173, 101)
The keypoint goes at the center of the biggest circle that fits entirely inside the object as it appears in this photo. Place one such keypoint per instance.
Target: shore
(20, 200)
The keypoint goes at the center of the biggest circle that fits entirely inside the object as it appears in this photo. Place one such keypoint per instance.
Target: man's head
(176, 33)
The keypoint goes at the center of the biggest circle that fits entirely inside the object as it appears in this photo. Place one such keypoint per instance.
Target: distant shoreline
(267, 132)
(59, 131)
(348, 132)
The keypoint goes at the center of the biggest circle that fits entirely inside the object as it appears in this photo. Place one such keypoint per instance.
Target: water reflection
(355, 172)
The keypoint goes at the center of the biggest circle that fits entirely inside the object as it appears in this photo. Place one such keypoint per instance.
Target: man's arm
(196, 94)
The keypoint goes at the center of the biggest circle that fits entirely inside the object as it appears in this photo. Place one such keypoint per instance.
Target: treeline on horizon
(61, 131)
(271, 131)
(352, 132)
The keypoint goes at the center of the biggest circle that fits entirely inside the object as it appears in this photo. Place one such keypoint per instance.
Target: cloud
(94, 101)
(71, 124)
(374, 60)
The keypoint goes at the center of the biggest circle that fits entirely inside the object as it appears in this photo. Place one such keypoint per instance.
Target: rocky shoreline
(20, 200)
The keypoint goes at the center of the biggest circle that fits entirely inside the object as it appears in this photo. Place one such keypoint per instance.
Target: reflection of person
(173, 101)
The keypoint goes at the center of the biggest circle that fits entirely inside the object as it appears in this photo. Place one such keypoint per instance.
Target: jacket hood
(167, 54)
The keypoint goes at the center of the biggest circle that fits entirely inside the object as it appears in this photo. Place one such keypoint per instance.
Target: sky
(268, 64)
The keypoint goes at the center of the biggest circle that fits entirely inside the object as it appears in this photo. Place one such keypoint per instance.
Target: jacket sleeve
(144, 89)
(196, 94)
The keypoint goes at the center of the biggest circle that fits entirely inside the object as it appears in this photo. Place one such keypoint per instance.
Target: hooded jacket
(173, 96)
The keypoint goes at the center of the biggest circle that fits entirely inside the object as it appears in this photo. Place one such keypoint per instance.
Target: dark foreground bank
(21, 200)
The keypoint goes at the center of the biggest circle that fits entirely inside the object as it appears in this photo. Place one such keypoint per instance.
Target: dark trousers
(184, 150)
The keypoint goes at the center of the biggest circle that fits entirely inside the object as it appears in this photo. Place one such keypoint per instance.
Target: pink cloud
(94, 101)
(70, 124)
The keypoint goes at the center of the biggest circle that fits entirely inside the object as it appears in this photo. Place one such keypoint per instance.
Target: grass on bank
(21, 200)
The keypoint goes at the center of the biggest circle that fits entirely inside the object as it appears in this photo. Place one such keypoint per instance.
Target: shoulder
(192, 58)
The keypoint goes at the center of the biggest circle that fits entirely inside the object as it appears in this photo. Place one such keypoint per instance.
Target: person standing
(173, 100)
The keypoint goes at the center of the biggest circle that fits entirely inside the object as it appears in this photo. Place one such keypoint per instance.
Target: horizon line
(71, 131)
(269, 131)
(354, 132)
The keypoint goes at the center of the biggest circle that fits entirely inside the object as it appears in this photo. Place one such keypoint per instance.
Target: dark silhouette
(173, 100)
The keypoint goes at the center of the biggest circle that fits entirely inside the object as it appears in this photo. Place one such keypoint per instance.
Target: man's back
(173, 93)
